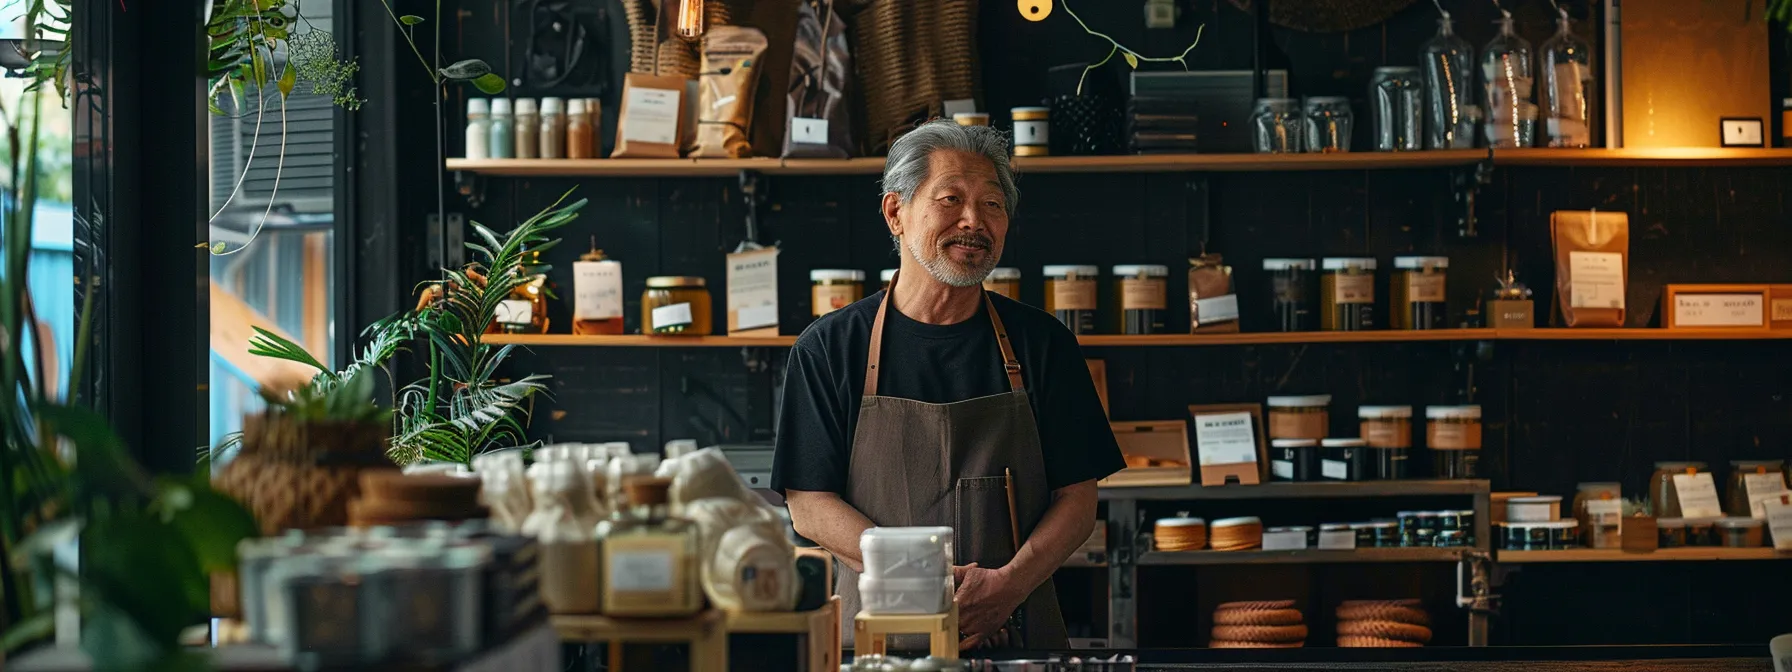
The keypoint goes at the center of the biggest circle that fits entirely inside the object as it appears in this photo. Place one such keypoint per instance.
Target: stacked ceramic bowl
(1373, 624)
(1181, 533)
(1237, 534)
(1269, 624)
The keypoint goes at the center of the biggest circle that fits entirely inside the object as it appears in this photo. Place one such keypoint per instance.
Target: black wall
(1557, 412)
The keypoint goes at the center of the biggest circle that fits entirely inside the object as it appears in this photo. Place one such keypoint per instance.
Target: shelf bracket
(1467, 184)
(1474, 592)
(1123, 546)
(471, 186)
(753, 195)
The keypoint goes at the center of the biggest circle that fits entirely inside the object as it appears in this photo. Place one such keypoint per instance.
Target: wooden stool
(869, 631)
(820, 630)
(705, 633)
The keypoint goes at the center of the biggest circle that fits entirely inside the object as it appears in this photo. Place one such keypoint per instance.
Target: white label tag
(753, 288)
(1599, 508)
(959, 106)
(1217, 309)
(1760, 488)
(1779, 522)
(1353, 288)
(1334, 469)
(640, 571)
(597, 290)
(1337, 540)
(671, 316)
(651, 115)
(1032, 133)
(1782, 310)
(1285, 540)
(1719, 310)
(1225, 438)
(513, 311)
(1698, 496)
(808, 131)
(1281, 469)
(1598, 279)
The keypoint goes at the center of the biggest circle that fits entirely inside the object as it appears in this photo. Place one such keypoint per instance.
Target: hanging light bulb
(690, 19)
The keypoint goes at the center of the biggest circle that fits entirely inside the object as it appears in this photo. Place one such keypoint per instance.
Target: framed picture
(1229, 444)
(1743, 132)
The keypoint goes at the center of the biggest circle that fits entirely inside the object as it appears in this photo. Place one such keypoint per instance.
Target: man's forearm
(827, 520)
(1064, 528)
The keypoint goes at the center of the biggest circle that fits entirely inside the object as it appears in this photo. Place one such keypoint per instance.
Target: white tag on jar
(1698, 496)
(671, 316)
(513, 311)
(1334, 469)
(640, 571)
(1282, 469)
(1217, 309)
(1759, 489)
(597, 290)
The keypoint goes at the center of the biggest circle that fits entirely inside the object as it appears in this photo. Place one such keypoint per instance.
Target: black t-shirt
(937, 364)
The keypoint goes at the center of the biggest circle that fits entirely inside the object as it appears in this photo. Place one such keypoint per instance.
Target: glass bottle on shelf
(1328, 124)
(1277, 125)
(526, 311)
(1451, 115)
(597, 293)
(1506, 75)
(650, 556)
(1565, 83)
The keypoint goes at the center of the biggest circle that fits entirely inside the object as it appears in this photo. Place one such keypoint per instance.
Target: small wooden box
(1723, 306)
(1640, 534)
(1160, 441)
(1779, 306)
(1511, 314)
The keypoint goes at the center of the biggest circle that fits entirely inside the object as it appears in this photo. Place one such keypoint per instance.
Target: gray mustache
(970, 240)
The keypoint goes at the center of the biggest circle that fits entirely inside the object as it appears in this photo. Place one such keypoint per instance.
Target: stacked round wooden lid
(1368, 624)
(1268, 624)
(1179, 534)
(1237, 534)
(389, 497)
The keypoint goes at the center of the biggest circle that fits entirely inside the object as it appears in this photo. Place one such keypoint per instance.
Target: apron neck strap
(1010, 365)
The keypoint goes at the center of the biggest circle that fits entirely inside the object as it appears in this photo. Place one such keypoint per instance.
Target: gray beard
(943, 270)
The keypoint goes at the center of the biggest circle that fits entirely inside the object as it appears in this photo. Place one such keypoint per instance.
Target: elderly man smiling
(918, 405)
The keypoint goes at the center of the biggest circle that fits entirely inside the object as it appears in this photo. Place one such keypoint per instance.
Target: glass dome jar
(1450, 111)
(1506, 77)
(1398, 109)
(1277, 125)
(1328, 122)
(1565, 83)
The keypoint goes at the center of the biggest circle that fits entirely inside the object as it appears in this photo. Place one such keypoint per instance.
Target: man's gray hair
(906, 167)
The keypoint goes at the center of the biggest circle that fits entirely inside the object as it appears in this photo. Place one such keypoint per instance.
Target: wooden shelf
(595, 628)
(1185, 340)
(1681, 157)
(1321, 490)
(1640, 334)
(1291, 337)
(1662, 555)
(1309, 556)
(641, 341)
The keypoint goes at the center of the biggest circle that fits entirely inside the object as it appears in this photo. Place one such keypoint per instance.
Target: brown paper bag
(1592, 251)
(1212, 307)
(726, 87)
(651, 121)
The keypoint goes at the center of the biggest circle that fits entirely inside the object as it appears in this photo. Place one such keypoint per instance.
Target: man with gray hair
(935, 403)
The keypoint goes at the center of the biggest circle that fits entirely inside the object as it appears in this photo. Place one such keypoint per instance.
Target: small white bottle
(479, 127)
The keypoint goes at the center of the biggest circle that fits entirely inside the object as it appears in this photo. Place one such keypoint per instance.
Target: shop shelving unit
(1659, 555)
(1197, 340)
(1301, 557)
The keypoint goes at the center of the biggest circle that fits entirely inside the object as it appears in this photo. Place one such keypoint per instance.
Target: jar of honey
(1347, 294)
(676, 305)
(831, 289)
(1070, 295)
(1005, 281)
(1141, 291)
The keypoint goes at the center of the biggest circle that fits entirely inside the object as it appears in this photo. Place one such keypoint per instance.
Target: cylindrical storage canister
(1294, 286)
(1671, 532)
(1235, 534)
(1741, 532)
(1032, 131)
(1390, 463)
(675, 305)
(1300, 417)
(1070, 295)
(1345, 460)
(1563, 534)
(1702, 532)
(1347, 294)
(1005, 281)
(1417, 293)
(831, 289)
(1538, 509)
(1453, 434)
(1294, 460)
(1752, 476)
(1142, 294)
(1398, 97)
(971, 118)
(1386, 426)
(1662, 492)
(884, 276)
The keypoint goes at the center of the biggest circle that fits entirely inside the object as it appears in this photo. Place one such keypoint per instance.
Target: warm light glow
(690, 19)
(1035, 10)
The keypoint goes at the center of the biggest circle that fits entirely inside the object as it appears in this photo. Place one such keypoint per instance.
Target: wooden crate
(705, 633)
(1162, 440)
(870, 631)
(819, 628)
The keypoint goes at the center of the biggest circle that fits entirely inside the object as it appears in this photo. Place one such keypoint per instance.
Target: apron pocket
(981, 532)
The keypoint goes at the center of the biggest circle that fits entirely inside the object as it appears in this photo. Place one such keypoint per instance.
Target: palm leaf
(269, 344)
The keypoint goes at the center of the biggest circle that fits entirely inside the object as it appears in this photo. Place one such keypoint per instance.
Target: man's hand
(985, 599)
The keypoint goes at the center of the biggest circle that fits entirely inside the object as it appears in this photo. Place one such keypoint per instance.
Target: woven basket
(301, 475)
(912, 55)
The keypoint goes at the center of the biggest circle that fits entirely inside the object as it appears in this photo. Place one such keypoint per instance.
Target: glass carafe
(1565, 83)
(1328, 124)
(1277, 125)
(1451, 115)
(1506, 76)
(1398, 105)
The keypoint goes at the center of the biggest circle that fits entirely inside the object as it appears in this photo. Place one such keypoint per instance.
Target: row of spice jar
(556, 129)
(1557, 535)
(1072, 294)
(1338, 293)
(1410, 529)
(1302, 448)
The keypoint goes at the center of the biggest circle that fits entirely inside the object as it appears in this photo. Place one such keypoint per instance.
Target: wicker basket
(301, 475)
(912, 55)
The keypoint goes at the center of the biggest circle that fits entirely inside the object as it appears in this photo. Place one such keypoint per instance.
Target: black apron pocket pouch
(981, 532)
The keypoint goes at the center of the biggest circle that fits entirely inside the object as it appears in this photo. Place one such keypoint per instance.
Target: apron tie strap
(1010, 364)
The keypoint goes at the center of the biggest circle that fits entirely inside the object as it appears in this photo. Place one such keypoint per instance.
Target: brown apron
(921, 464)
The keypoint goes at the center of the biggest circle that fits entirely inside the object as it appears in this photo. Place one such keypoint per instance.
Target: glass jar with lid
(1661, 486)
(831, 289)
(1003, 280)
(650, 555)
(676, 305)
(1328, 124)
(1345, 459)
(1417, 292)
(1070, 295)
(1347, 294)
(1453, 436)
(1294, 291)
(1300, 417)
(1142, 293)
(1294, 460)
(1750, 479)
(1032, 132)
(1741, 532)
(1600, 509)
(1398, 98)
(1385, 426)
(1277, 126)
